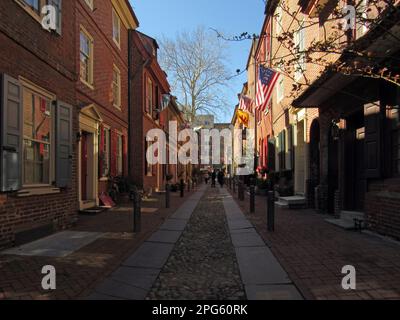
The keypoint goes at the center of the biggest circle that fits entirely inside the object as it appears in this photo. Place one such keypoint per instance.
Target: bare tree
(196, 64)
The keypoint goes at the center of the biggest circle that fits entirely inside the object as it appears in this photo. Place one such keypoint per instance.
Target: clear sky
(231, 17)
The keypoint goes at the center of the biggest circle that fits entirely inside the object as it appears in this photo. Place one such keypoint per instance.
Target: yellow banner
(243, 117)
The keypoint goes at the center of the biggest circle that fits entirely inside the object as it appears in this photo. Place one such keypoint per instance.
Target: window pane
(37, 130)
(34, 4)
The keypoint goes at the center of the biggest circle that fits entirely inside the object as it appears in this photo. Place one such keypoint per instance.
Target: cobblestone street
(203, 263)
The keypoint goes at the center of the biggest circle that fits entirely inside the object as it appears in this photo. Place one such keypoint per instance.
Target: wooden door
(84, 165)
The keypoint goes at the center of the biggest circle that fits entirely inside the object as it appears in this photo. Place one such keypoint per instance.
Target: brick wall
(98, 23)
(46, 59)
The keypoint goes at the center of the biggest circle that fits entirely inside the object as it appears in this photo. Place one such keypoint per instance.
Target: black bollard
(271, 211)
(167, 196)
(234, 185)
(137, 204)
(241, 191)
(252, 199)
(188, 186)
(182, 187)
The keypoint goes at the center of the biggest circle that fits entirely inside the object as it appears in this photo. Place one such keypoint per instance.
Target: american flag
(267, 79)
(246, 103)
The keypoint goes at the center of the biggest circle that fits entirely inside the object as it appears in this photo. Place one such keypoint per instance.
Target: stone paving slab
(149, 255)
(57, 245)
(165, 236)
(174, 225)
(137, 277)
(272, 292)
(113, 288)
(259, 266)
(247, 239)
(239, 224)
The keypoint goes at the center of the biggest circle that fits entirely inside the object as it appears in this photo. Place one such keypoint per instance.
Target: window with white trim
(36, 9)
(37, 129)
(89, 3)
(280, 88)
(300, 47)
(119, 155)
(116, 28)
(279, 20)
(149, 96)
(86, 58)
(116, 87)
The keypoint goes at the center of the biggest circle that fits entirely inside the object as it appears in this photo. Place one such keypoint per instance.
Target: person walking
(213, 178)
(221, 178)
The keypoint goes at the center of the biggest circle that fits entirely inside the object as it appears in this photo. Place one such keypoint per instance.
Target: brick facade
(144, 118)
(43, 58)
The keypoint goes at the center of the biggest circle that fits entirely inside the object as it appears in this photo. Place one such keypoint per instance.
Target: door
(84, 165)
(360, 177)
(333, 170)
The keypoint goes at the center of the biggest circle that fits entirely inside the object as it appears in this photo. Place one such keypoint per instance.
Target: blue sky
(231, 17)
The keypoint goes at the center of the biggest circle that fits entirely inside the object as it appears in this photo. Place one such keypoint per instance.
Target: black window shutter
(11, 134)
(373, 128)
(63, 144)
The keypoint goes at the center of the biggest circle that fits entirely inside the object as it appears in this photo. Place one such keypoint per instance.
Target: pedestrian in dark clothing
(221, 179)
(213, 178)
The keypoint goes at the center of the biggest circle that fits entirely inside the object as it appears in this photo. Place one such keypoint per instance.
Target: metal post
(252, 199)
(188, 186)
(137, 203)
(234, 185)
(241, 191)
(271, 211)
(182, 187)
(167, 196)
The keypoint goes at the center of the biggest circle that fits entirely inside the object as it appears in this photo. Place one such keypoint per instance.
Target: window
(105, 170)
(361, 26)
(149, 96)
(116, 22)
(278, 19)
(37, 130)
(300, 47)
(36, 9)
(89, 3)
(33, 4)
(119, 155)
(148, 167)
(86, 57)
(280, 88)
(116, 87)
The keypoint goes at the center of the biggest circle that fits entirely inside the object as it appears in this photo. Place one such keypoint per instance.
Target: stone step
(293, 200)
(344, 224)
(281, 204)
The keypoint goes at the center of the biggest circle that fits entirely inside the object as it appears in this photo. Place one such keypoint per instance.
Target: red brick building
(148, 84)
(38, 121)
(101, 39)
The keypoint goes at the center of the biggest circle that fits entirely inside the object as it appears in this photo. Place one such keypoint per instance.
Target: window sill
(118, 45)
(40, 191)
(87, 84)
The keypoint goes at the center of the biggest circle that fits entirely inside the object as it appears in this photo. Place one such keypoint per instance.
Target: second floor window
(117, 87)
(279, 20)
(116, 28)
(34, 4)
(86, 58)
(149, 96)
(300, 47)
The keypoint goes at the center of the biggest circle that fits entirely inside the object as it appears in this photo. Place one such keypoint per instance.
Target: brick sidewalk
(79, 272)
(313, 253)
